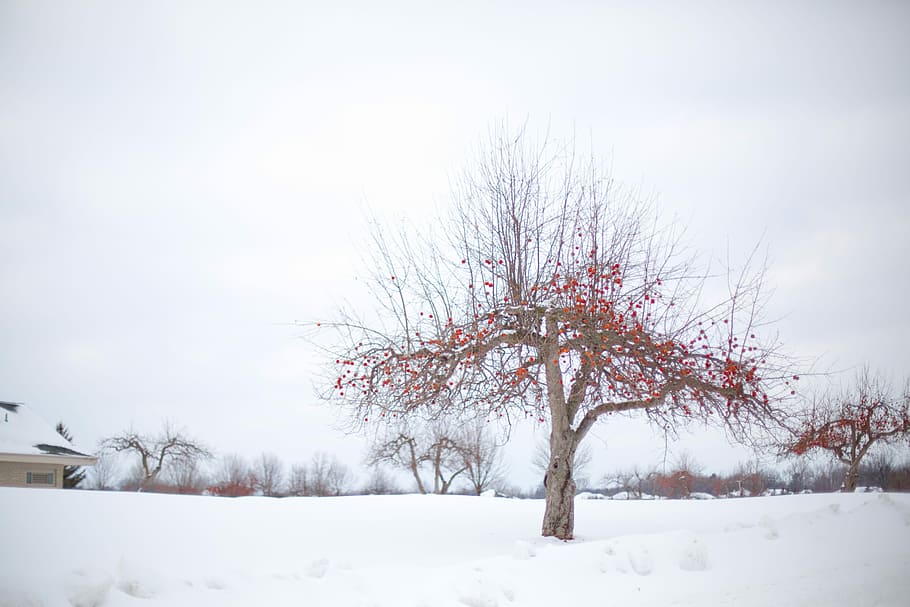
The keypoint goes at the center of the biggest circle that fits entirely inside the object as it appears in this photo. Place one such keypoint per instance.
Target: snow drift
(116, 549)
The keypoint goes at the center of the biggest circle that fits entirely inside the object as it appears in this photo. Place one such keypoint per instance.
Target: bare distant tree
(401, 450)
(799, 475)
(446, 458)
(323, 476)
(680, 480)
(298, 480)
(380, 482)
(232, 477)
(156, 451)
(104, 474)
(186, 475)
(751, 478)
(877, 468)
(268, 474)
(636, 482)
(827, 476)
(482, 457)
(849, 423)
(436, 446)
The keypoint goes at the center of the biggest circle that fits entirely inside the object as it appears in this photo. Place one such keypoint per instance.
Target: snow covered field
(117, 549)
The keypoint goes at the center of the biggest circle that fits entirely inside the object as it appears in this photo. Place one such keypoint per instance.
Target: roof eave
(41, 458)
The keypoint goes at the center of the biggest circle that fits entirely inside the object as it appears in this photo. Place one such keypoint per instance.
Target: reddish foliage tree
(848, 424)
(233, 478)
(560, 299)
(232, 489)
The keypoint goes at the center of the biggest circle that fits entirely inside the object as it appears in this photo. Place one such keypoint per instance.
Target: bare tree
(446, 457)
(104, 474)
(400, 449)
(325, 476)
(298, 480)
(877, 468)
(849, 423)
(552, 294)
(637, 479)
(268, 475)
(751, 478)
(828, 476)
(155, 451)
(685, 471)
(799, 475)
(233, 477)
(435, 445)
(186, 475)
(482, 457)
(380, 482)
(680, 480)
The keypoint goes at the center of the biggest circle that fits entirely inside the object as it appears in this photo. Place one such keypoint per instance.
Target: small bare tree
(268, 475)
(233, 477)
(799, 475)
(849, 423)
(752, 478)
(156, 451)
(482, 457)
(298, 480)
(877, 468)
(186, 476)
(827, 476)
(446, 458)
(380, 482)
(323, 476)
(401, 450)
(104, 474)
(637, 479)
(435, 445)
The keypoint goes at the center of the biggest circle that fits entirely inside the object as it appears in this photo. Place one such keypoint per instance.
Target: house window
(39, 478)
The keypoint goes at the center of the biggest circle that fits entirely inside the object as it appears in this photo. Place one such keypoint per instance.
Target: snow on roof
(22, 431)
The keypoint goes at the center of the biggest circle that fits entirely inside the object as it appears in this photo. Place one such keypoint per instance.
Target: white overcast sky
(180, 181)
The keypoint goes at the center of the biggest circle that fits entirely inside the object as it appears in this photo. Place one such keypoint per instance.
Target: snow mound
(626, 495)
(644, 555)
(698, 495)
(88, 587)
(523, 550)
(587, 495)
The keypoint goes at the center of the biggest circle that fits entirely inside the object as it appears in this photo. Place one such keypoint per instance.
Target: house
(32, 454)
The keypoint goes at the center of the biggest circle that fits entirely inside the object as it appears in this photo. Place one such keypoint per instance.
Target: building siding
(15, 474)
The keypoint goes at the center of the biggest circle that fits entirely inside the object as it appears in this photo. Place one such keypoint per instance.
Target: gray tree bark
(559, 515)
(851, 478)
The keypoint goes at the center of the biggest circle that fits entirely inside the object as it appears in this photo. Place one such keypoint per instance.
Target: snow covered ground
(119, 549)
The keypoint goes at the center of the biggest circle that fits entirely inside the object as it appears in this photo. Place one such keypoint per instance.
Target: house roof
(24, 433)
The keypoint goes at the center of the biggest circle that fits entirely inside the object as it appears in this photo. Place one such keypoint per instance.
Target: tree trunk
(414, 469)
(436, 473)
(559, 515)
(147, 479)
(851, 478)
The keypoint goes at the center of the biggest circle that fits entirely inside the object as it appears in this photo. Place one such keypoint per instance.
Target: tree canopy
(556, 295)
(848, 423)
